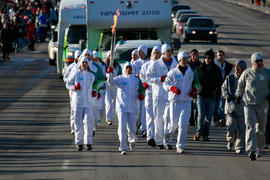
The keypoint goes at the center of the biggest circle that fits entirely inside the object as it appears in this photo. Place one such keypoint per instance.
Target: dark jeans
(194, 113)
(206, 109)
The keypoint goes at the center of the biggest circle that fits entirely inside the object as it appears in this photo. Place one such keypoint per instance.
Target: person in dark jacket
(6, 42)
(210, 78)
(226, 69)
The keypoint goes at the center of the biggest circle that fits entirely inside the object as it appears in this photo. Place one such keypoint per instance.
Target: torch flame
(115, 17)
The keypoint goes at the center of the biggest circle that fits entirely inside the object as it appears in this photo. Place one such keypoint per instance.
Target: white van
(71, 30)
(139, 19)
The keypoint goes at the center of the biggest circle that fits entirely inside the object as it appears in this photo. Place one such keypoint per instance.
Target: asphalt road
(35, 139)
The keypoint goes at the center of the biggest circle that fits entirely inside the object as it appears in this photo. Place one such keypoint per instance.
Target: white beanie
(83, 60)
(135, 51)
(77, 53)
(181, 55)
(143, 48)
(157, 48)
(256, 56)
(95, 54)
(165, 47)
(127, 64)
(87, 51)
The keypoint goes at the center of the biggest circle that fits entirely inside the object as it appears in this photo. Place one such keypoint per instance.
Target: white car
(52, 47)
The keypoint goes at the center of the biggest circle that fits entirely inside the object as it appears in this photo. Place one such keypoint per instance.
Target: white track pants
(110, 99)
(83, 125)
(180, 113)
(150, 126)
(158, 109)
(126, 122)
(72, 115)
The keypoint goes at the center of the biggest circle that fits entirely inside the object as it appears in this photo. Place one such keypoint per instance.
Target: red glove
(77, 86)
(110, 69)
(94, 93)
(141, 97)
(163, 78)
(145, 85)
(139, 76)
(193, 92)
(98, 95)
(175, 90)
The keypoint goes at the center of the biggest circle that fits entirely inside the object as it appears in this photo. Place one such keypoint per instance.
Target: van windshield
(124, 55)
(127, 35)
(201, 23)
(76, 33)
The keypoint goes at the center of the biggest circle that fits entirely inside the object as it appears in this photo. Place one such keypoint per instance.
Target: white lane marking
(65, 164)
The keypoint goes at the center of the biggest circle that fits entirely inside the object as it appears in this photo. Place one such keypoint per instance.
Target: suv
(200, 28)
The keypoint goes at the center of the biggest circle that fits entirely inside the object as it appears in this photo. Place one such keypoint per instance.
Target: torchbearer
(130, 91)
(80, 83)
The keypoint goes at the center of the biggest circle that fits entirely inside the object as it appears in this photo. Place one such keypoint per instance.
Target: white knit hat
(181, 55)
(87, 51)
(143, 48)
(165, 47)
(95, 54)
(77, 53)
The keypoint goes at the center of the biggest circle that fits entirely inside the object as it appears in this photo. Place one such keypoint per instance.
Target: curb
(247, 6)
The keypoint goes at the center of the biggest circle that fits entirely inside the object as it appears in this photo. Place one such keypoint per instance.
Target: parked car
(53, 46)
(177, 7)
(182, 21)
(200, 28)
(173, 2)
(179, 13)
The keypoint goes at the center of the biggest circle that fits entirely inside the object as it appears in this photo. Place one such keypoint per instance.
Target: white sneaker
(179, 151)
(239, 151)
(123, 152)
(109, 123)
(132, 146)
(230, 146)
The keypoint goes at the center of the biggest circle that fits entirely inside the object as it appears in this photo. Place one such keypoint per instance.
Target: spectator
(31, 35)
(43, 19)
(6, 41)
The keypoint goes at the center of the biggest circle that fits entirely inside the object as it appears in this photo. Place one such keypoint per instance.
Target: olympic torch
(113, 40)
